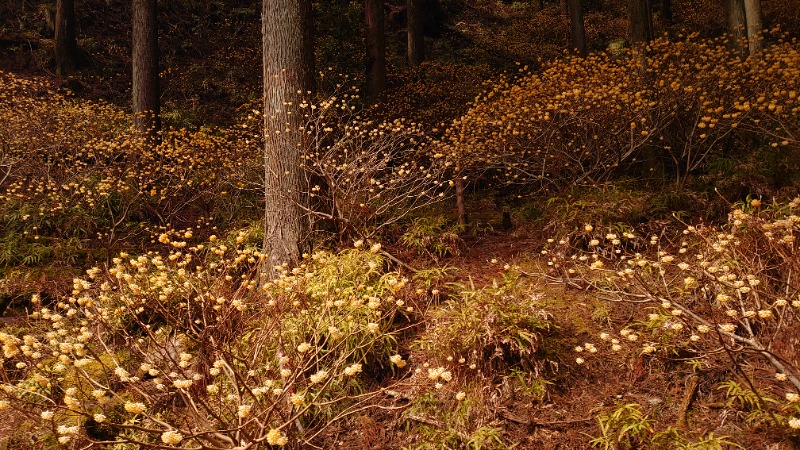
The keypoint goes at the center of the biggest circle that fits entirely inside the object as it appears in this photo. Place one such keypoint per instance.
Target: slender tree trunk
(416, 37)
(376, 48)
(288, 81)
(146, 95)
(752, 10)
(641, 22)
(66, 44)
(461, 210)
(577, 26)
(666, 11)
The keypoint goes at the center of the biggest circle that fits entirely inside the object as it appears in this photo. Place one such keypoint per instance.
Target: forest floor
(558, 406)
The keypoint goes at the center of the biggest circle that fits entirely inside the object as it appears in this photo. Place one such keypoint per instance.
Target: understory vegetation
(626, 278)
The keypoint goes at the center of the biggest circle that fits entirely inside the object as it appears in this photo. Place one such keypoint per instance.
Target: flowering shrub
(728, 289)
(73, 180)
(365, 175)
(190, 347)
(585, 119)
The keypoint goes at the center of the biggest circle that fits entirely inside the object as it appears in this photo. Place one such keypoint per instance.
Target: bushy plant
(432, 237)
(627, 426)
(192, 347)
(664, 111)
(497, 326)
(365, 175)
(623, 428)
(708, 292)
(73, 175)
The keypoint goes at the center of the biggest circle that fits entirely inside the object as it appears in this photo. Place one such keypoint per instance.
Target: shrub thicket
(668, 110)
(725, 297)
(192, 348)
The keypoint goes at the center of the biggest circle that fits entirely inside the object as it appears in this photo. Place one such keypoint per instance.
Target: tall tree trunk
(288, 80)
(641, 22)
(737, 22)
(752, 10)
(66, 44)
(376, 48)
(146, 95)
(577, 26)
(666, 11)
(416, 36)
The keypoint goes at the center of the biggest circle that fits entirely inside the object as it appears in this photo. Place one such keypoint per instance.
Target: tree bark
(737, 22)
(641, 23)
(376, 48)
(288, 81)
(752, 10)
(66, 44)
(461, 210)
(146, 95)
(666, 11)
(577, 26)
(416, 36)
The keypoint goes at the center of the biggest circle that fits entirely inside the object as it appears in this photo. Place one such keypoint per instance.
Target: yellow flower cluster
(181, 323)
(588, 118)
(73, 176)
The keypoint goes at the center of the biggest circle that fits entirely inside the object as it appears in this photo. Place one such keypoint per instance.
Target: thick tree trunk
(752, 10)
(66, 44)
(376, 48)
(737, 22)
(416, 36)
(577, 26)
(146, 96)
(641, 23)
(288, 81)
(666, 11)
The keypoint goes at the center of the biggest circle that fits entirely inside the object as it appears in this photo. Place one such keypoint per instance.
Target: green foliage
(445, 423)
(626, 427)
(744, 398)
(673, 439)
(433, 236)
(434, 275)
(758, 407)
(14, 250)
(488, 438)
(612, 204)
(495, 326)
(709, 442)
(529, 384)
